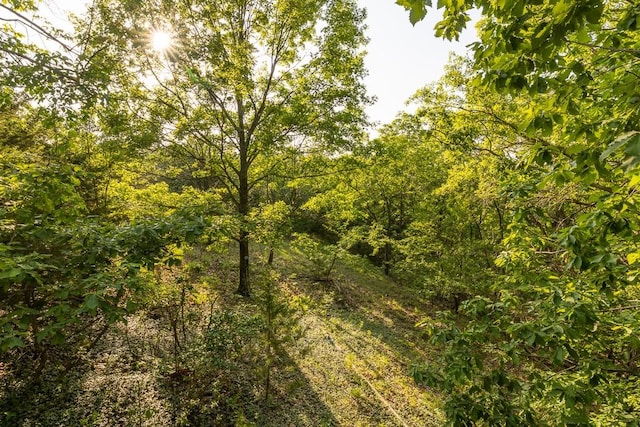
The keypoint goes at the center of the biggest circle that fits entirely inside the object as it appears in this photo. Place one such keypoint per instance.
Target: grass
(362, 332)
(350, 368)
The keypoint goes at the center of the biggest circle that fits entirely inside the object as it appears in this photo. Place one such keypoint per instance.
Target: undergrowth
(304, 351)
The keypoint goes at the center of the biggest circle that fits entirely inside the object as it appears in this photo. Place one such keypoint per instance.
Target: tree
(41, 72)
(554, 345)
(453, 241)
(67, 271)
(245, 79)
(371, 198)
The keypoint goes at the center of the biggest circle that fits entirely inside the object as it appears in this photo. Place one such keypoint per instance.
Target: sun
(161, 40)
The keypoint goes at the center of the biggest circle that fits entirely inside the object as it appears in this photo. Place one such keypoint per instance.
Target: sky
(401, 58)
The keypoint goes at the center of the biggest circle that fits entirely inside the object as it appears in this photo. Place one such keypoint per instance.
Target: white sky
(400, 58)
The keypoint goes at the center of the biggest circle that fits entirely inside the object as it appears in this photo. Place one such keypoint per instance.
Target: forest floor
(350, 368)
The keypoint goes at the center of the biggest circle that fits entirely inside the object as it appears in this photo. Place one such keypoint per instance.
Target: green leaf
(583, 36)
(560, 11)
(413, 4)
(594, 13)
(8, 274)
(576, 262)
(633, 257)
(131, 307)
(620, 141)
(417, 14)
(91, 301)
(12, 342)
(559, 355)
(635, 180)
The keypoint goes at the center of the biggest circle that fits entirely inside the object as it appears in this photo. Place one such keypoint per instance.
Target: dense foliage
(508, 199)
(558, 342)
(245, 83)
(69, 267)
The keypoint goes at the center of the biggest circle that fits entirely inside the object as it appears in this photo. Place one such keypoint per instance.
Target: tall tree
(372, 198)
(66, 271)
(558, 335)
(246, 78)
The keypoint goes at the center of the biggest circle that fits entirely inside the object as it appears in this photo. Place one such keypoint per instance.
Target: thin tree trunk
(243, 209)
(387, 259)
(243, 285)
(500, 220)
(243, 263)
(243, 198)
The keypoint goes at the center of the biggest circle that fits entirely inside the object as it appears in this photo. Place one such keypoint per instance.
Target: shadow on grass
(50, 401)
(362, 296)
(294, 401)
(20, 402)
(236, 397)
(125, 395)
(384, 318)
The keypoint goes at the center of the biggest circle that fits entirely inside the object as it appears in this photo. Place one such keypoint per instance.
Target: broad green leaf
(131, 307)
(583, 36)
(91, 301)
(10, 273)
(635, 180)
(417, 14)
(12, 342)
(559, 355)
(619, 142)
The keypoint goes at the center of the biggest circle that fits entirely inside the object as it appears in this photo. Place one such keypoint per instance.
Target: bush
(322, 257)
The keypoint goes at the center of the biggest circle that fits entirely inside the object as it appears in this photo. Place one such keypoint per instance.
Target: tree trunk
(387, 259)
(500, 220)
(388, 231)
(243, 209)
(243, 285)
(243, 265)
(243, 192)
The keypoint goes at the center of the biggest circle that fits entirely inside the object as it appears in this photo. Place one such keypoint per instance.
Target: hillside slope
(350, 368)
(363, 340)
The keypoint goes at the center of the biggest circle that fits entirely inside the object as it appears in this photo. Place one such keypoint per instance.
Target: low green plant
(280, 325)
(66, 276)
(323, 257)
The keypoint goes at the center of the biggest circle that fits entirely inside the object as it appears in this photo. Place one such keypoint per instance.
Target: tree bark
(243, 285)
(243, 238)
(387, 259)
(244, 140)
(243, 205)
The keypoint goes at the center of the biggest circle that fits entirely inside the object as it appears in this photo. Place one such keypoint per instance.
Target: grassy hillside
(350, 366)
